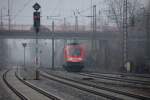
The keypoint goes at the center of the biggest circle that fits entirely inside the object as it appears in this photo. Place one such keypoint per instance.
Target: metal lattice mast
(64, 23)
(9, 20)
(1, 18)
(94, 25)
(148, 31)
(94, 18)
(125, 32)
(76, 23)
(91, 15)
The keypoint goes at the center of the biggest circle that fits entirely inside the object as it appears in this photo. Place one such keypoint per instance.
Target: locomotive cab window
(75, 52)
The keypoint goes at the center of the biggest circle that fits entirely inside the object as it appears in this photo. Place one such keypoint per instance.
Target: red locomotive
(74, 57)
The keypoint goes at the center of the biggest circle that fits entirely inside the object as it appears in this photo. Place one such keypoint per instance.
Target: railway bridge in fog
(67, 35)
(57, 35)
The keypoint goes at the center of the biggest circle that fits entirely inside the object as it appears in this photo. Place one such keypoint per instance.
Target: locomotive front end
(74, 57)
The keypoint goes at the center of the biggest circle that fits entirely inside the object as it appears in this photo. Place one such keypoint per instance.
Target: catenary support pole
(53, 45)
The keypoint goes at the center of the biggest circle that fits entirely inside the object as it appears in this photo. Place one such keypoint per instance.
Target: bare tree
(135, 11)
(116, 11)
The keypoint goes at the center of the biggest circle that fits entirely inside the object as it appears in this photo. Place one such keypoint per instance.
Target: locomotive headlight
(70, 58)
(75, 59)
(79, 58)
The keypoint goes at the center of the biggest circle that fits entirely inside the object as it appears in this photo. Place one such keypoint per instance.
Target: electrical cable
(56, 8)
(20, 10)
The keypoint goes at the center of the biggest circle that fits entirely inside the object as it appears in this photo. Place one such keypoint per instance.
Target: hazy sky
(22, 11)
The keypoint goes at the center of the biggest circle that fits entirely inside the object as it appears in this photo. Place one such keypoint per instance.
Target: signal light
(36, 18)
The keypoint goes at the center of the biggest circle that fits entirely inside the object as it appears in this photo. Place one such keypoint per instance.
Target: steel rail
(21, 96)
(95, 86)
(45, 93)
(134, 81)
(124, 93)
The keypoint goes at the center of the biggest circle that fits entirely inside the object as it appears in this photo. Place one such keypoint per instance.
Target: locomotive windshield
(75, 52)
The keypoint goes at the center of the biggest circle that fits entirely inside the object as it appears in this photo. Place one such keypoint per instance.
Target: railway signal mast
(36, 25)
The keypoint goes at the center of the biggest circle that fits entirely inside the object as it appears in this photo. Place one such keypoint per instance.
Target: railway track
(38, 89)
(143, 84)
(128, 74)
(40, 93)
(94, 89)
(20, 95)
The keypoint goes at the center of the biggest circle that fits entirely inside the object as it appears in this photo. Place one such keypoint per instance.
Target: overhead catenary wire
(60, 17)
(22, 9)
(54, 10)
(89, 8)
